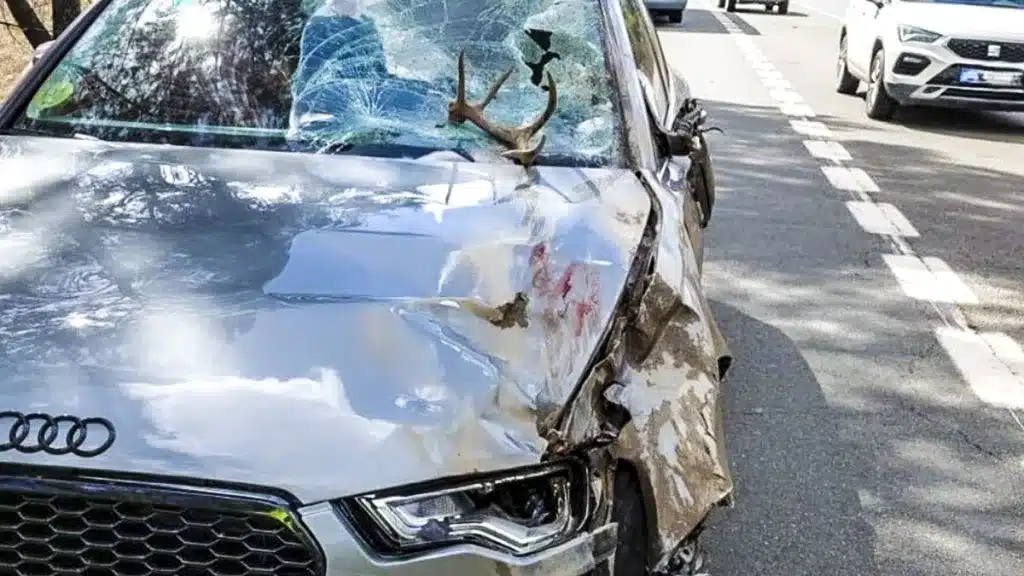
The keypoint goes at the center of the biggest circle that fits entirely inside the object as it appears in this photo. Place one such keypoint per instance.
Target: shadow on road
(695, 21)
(857, 448)
(744, 26)
(993, 126)
(789, 462)
(968, 215)
(983, 125)
(758, 9)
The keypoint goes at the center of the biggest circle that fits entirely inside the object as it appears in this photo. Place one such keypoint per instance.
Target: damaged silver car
(341, 287)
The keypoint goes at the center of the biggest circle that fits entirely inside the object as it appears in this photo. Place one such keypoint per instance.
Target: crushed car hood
(321, 325)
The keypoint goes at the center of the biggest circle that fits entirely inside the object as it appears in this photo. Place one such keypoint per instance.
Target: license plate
(991, 78)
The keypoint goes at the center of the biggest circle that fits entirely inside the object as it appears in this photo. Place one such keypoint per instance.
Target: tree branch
(29, 23)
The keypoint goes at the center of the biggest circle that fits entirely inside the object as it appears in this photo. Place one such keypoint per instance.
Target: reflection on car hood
(323, 325)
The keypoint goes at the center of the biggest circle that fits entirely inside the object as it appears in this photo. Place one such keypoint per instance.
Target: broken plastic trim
(519, 512)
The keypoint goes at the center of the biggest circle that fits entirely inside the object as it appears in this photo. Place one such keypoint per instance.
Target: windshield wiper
(18, 131)
(390, 150)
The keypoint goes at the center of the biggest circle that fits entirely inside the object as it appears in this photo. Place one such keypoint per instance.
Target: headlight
(914, 34)
(520, 512)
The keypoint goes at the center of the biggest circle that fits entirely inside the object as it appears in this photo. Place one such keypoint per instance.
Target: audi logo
(56, 435)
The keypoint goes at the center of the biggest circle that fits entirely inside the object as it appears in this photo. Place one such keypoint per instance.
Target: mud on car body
(285, 291)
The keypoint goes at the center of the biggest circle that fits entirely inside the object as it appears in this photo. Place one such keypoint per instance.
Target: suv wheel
(730, 5)
(879, 105)
(784, 8)
(846, 83)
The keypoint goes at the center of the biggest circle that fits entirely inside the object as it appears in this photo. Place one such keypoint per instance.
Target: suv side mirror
(41, 50)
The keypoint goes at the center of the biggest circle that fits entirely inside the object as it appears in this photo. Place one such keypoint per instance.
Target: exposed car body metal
(541, 314)
(223, 383)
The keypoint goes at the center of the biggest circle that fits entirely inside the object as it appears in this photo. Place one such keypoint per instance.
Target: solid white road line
(929, 279)
(881, 218)
(991, 363)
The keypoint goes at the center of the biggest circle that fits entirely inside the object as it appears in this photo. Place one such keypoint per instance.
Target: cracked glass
(367, 76)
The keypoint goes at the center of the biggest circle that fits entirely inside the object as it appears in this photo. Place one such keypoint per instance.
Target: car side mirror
(41, 50)
(686, 138)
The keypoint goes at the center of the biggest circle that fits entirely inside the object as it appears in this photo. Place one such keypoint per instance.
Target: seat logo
(994, 50)
(55, 435)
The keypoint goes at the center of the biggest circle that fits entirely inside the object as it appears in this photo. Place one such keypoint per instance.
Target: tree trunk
(29, 23)
(64, 13)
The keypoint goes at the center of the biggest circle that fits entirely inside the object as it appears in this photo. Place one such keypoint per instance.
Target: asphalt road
(865, 440)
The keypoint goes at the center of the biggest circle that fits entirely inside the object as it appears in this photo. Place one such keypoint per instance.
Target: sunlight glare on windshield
(195, 21)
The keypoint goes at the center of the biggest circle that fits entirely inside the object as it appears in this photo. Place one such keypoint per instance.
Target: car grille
(46, 532)
(978, 50)
(985, 95)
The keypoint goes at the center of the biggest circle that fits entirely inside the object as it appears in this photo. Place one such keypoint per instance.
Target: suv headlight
(915, 34)
(520, 512)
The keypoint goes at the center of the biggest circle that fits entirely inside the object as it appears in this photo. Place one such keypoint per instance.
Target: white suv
(951, 53)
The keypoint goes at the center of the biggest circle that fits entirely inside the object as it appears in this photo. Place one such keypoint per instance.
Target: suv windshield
(332, 75)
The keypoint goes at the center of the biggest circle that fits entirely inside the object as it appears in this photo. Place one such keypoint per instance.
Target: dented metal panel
(279, 318)
(664, 366)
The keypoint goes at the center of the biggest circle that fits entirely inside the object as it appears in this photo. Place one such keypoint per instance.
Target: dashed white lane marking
(796, 110)
(992, 364)
(849, 179)
(811, 128)
(929, 279)
(827, 150)
(783, 95)
(777, 83)
(882, 218)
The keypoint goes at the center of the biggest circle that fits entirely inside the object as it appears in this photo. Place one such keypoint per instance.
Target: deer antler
(517, 139)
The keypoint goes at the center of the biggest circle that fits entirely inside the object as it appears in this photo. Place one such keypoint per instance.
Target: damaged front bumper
(345, 554)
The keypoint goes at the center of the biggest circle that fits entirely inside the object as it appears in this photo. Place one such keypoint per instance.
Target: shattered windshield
(367, 76)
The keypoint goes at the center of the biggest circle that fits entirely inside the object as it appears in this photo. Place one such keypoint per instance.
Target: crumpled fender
(663, 366)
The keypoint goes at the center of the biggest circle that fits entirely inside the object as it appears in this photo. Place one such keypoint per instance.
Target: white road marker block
(776, 83)
(827, 150)
(849, 179)
(810, 128)
(786, 96)
(798, 109)
(929, 279)
(882, 218)
(992, 364)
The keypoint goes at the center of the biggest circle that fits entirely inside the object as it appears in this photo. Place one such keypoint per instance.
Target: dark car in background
(298, 289)
(769, 5)
(671, 9)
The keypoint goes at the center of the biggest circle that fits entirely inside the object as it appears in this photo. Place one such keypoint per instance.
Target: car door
(860, 35)
(659, 87)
